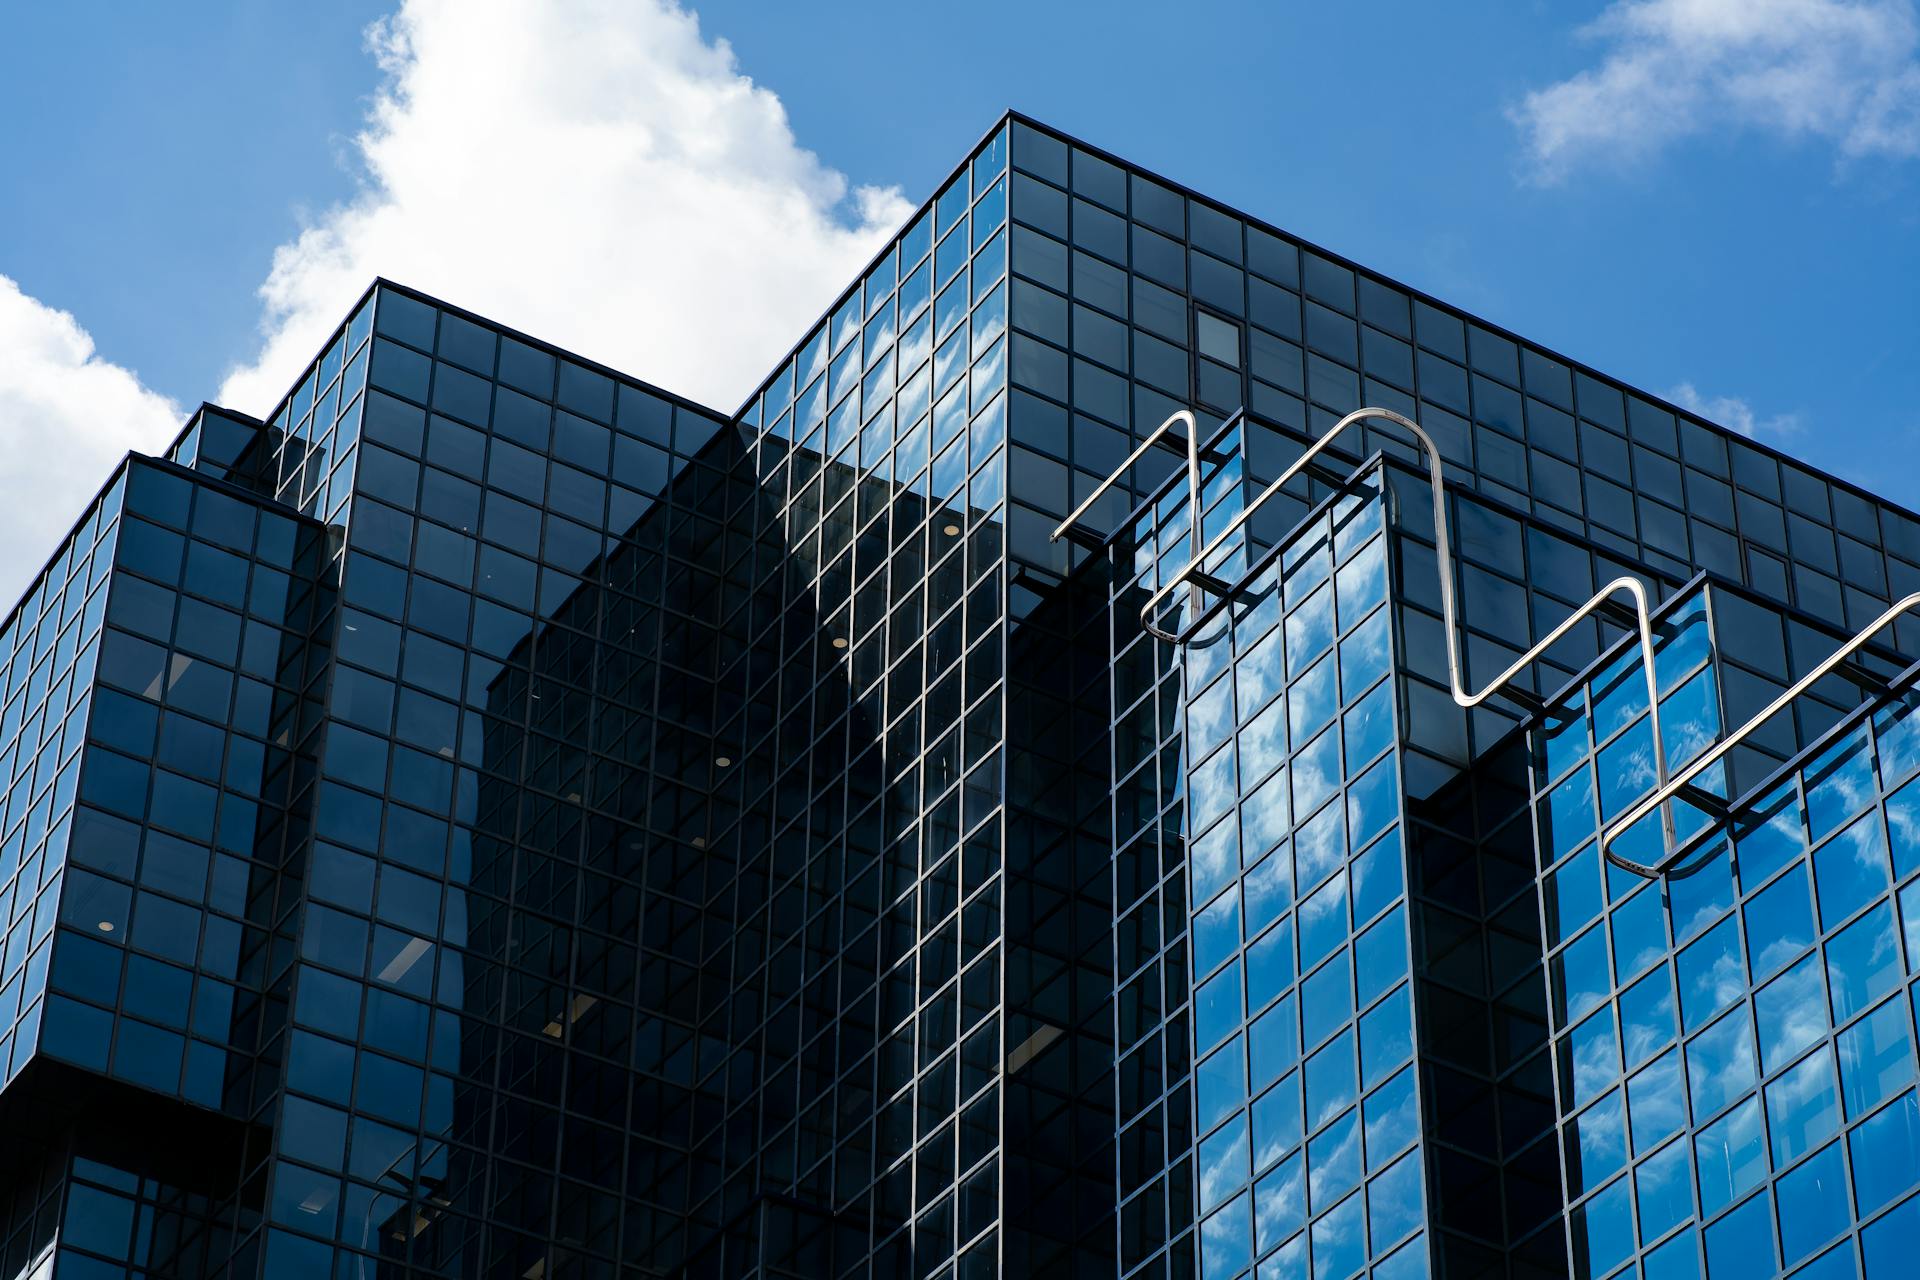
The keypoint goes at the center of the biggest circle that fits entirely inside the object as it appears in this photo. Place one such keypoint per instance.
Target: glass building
(494, 817)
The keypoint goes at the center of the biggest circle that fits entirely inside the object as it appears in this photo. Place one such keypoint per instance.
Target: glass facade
(1747, 1013)
(493, 817)
(1302, 1007)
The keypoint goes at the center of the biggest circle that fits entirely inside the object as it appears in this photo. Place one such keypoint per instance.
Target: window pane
(1875, 1057)
(1792, 1012)
(1863, 962)
(1802, 1110)
(1813, 1205)
(1885, 1152)
(1720, 1064)
(1656, 1101)
(1732, 1155)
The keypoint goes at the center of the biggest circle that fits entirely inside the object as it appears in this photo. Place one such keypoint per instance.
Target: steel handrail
(1193, 484)
(1629, 586)
(1707, 759)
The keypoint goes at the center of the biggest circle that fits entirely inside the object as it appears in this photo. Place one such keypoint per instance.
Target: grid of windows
(417, 471)
(1715, 1036)
(1515, 580)
(176, 835)
(562, 830)
(1163, 723)
(505, 668)
(880, 455)
(1764, 649)
(1132, 298)
(1302, 1011)
(920, 648)
(51, 649)
(1153, 1004)
(1129, 298)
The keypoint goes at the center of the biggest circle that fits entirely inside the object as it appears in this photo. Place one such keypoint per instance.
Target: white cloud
(1733, 413)
(1842, 71)
(66, 416)
(594, 172)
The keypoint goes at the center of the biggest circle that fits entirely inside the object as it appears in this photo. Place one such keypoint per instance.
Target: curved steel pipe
(1707, 759)
(1667, 788)
(1443, 559)
(1193, 485)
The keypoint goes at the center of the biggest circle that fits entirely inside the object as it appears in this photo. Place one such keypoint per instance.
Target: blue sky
(1713, 199)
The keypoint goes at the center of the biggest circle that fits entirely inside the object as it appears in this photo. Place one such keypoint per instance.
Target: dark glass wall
(164, 852)
(494, 817)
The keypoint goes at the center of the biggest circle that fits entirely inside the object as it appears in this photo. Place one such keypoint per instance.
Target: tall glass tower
(494, 817)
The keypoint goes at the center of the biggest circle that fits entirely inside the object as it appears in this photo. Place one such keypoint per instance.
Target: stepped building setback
(497, 818)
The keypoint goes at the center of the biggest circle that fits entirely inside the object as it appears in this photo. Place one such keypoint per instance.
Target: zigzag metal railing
(1683, 781)
(1679, 786)
(1193, 487)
